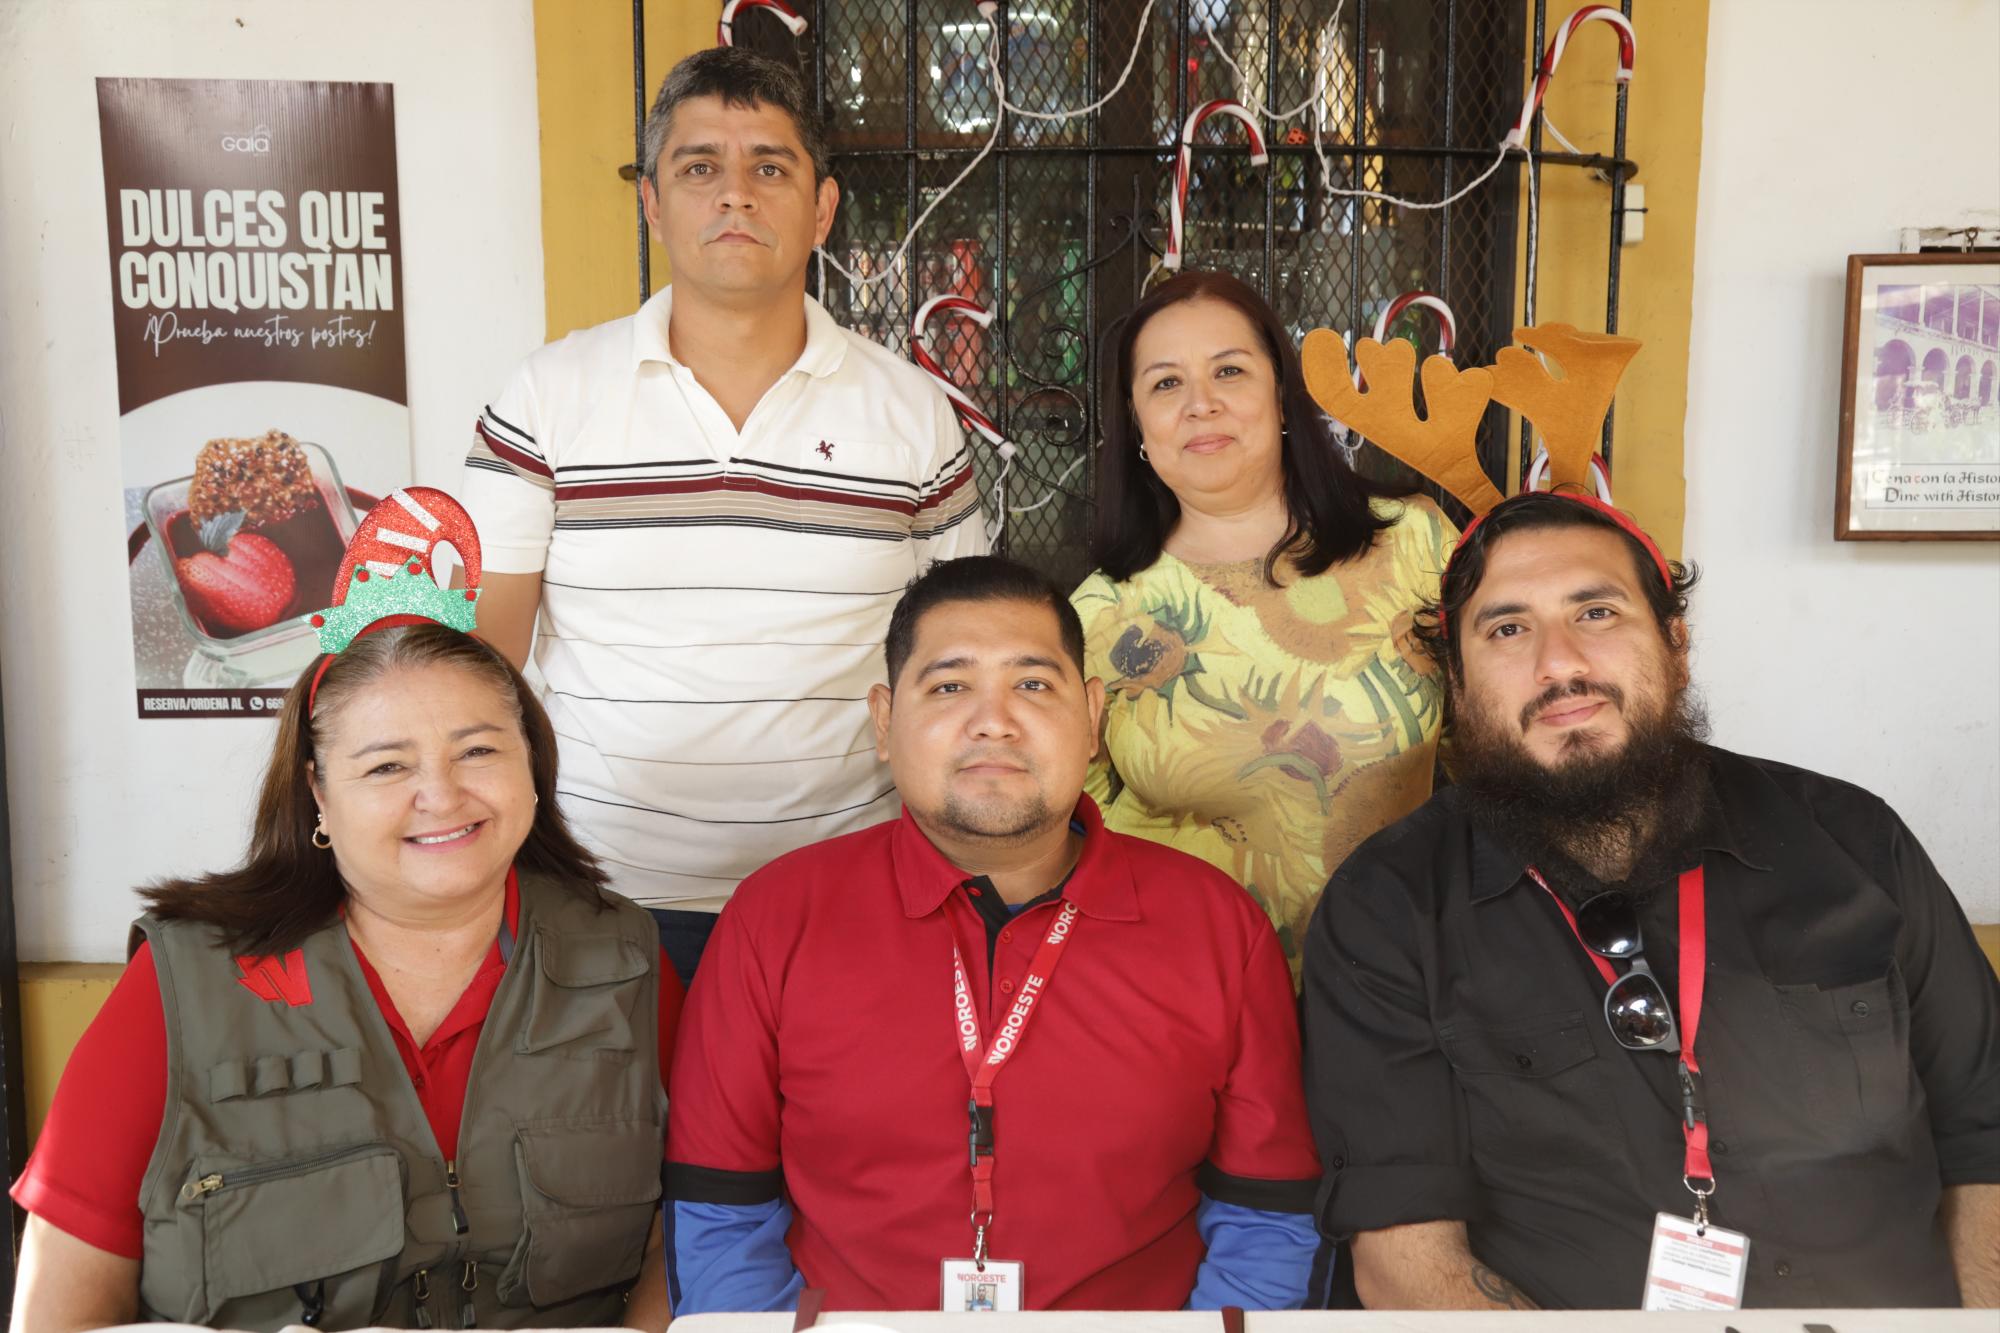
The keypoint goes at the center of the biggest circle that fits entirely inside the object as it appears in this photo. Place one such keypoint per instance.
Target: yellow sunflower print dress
(1269, 730)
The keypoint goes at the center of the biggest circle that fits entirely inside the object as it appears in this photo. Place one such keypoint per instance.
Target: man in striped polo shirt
(700, 517)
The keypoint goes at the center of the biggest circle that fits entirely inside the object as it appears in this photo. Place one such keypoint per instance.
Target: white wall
(101, 802)
(1830, 125)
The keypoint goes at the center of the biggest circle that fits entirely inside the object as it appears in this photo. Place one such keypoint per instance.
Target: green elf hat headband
(388, 578)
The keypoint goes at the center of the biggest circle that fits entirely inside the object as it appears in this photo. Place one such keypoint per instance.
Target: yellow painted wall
(1664, 133)
(583, 86)
(58, 1000)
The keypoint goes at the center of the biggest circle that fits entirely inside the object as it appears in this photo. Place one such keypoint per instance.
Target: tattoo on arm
(1499, 1290)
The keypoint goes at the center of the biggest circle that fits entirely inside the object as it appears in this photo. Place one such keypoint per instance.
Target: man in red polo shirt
(989, 1055)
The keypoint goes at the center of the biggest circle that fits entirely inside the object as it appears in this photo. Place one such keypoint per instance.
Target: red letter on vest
(274, 979)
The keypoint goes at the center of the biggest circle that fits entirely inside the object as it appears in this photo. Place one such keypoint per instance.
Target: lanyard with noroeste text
(983, 1069)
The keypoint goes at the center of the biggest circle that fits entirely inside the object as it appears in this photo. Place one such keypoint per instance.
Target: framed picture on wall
(1920, 399)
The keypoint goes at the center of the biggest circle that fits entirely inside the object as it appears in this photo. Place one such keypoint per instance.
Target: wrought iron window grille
(1065, 219)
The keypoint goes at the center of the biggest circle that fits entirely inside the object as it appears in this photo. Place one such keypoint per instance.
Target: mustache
(992, 756)
(756, 230)
(1576, 689)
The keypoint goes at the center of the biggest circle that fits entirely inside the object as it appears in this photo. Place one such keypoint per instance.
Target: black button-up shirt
(1459, 1066)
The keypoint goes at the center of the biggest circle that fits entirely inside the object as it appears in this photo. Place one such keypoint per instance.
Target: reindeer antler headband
(389, 577)
(1569, 412)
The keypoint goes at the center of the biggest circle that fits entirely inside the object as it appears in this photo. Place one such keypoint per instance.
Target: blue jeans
(683, 935)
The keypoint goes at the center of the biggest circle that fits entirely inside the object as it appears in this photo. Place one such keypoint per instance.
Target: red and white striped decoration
(969, 412)
(1627, 47)
(1447, 323)
(725, 28)
(1183, 168)
(1600, 476)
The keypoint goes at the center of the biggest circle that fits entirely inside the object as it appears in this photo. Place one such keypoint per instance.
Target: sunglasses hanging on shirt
(1635, 1005)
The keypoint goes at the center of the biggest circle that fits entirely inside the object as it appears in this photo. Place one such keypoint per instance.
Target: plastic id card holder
(1692, 1270)
(967, 1286)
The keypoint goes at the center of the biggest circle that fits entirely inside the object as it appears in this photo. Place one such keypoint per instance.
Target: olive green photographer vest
(296, 1179)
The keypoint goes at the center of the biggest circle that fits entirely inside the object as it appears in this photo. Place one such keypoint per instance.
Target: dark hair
(1328, 501)
(740, 77)
(977, 578)
(1532, 510)
(286, 888)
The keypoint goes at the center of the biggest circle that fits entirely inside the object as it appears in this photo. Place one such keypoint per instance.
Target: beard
(1000, 821)
(1639, 806)
(991, 816)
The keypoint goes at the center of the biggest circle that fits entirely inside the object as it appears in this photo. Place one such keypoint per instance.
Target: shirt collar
(1101, 885)
(1724, 828)
(825, 349)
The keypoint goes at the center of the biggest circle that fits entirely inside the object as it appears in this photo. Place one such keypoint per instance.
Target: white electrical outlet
(1635, 214)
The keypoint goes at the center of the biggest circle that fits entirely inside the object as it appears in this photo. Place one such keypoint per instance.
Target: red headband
(326, 659)
(1618, 516)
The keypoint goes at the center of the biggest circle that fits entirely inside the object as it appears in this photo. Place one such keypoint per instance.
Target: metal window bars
(1057, 229)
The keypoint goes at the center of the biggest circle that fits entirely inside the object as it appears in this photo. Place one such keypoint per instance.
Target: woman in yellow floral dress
(1265, 706)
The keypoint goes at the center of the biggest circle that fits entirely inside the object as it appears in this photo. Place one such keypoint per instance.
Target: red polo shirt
(1162, 1062)
(90, 1158)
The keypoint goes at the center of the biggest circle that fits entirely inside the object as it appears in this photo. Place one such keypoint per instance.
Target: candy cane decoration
(1447, 323)
(1184, 167)
(724, 28)
(1627, 48)
(969, 412)
(1600, 476)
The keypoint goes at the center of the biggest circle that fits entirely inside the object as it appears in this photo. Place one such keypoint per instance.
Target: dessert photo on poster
(255, 259)
(237, 527)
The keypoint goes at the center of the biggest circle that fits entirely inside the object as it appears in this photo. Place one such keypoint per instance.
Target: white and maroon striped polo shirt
(714, 603)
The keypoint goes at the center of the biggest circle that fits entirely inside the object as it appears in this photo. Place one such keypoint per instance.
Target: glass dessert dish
(313, 540)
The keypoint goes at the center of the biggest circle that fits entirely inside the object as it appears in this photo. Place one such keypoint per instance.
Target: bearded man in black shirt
(1622, 1018)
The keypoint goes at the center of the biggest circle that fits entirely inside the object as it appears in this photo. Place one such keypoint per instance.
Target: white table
(1496, 1321)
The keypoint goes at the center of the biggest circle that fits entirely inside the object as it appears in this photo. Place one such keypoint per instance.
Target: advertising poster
(256, 280)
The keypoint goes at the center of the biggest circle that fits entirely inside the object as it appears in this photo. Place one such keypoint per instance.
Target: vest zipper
(467, 1316)
(420, 1289)
(459, 1223)
(238, 1177)
(312, 1301)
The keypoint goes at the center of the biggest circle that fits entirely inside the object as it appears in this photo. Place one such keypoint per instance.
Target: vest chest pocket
(588, 1196)
(584, 996)
(279, 1236)
(1530, 1086)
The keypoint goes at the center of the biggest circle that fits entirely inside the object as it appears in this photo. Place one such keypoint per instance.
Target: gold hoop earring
(319, 838)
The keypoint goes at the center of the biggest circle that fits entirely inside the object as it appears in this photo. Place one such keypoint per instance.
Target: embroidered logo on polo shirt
(276, 979)
(825, 450)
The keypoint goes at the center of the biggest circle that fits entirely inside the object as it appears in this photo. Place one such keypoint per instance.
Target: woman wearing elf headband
(403, 1065)
(1265, 708)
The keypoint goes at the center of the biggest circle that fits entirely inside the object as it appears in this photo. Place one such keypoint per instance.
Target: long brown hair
(286, 888)
(1328, 500)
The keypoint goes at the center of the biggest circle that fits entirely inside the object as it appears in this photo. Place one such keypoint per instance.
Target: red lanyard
(1698, 1173)
(983, 1071)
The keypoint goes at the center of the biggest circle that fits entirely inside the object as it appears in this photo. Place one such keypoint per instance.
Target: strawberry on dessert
(238, 581)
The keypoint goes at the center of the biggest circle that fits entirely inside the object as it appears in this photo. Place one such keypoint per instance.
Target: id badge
(969, 1287)
(1695, 1271)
